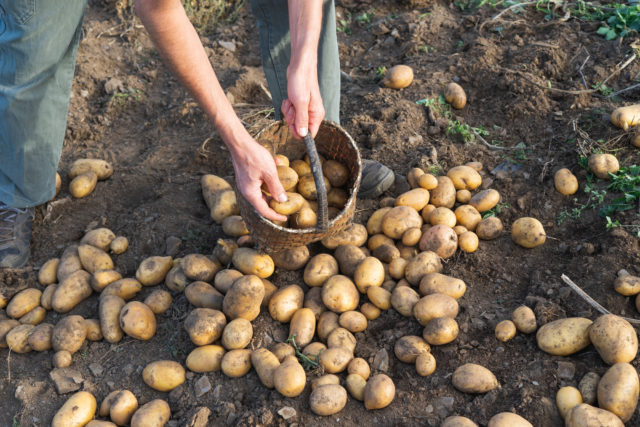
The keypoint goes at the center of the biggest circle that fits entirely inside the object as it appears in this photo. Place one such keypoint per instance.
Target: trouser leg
(275, 47)
(38, 45)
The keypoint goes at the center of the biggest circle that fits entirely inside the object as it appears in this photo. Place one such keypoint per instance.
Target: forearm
(305, 25)
(179, 44)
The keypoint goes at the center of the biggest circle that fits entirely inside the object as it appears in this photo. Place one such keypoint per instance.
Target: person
(38, 48)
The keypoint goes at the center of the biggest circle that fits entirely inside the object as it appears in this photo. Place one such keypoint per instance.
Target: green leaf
(603, 30)
(611, 35)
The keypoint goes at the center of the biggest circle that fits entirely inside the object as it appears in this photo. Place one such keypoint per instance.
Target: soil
(160, 144)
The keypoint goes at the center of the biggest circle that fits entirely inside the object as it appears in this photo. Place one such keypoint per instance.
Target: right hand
(253, 167)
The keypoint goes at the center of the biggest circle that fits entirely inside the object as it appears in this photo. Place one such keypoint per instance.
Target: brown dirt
(160, 144)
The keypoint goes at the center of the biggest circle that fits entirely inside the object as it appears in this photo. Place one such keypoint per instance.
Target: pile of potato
(84, 175)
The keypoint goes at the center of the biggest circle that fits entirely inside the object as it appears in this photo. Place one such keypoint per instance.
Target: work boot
(15, 236)
(376, 179)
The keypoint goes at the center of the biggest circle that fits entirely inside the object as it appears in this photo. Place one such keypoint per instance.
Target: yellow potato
(355, 384)
(386, 252)
(124, 288)
(152, 270)
(403, 299)
(627, 285)
(508, 419)
(103, 278)
(77, 411)
(485, 200)
(58, 184)
(337, 198)
(303, 326)
(468, 217)
(94, 332)
(458, 421)
(336, 173)
(626, 117)
(413, 176)
(204, 325)
(219, 197)
(288, 177)
(379, 392)
(313, 350)
(463, 196)
(101, 168)
(327, 323)
(368, 273)
(565, 182)
(603, 164)
(94, 259)
(421, 264)
(119, 245)
(163, 375)
(379, 297)
(225, 248)
(464, 177)
(23, 302)
(105, 406)
(354, 234)
(335, 359)
(440, 239)
(374, 223)
(416, 198)
(468, 242)
(614, 338)
(206, 358)
(409, 347)
(439, 283)
(435, 305)
(158, 301)
(110, 306)
(472, 378)
(236, 363)
(442, 216)
(265, 363)
(48, 273)
(427, 181)
(100, 238)
(328, 399)
(564, 336)
(340, 337)
(300, 167)
(83, 184)
(319, 269)
(398, 77)
(618, 390)
(588, 387)
(152, 414)
(285, 302)
(440, 331)
(123, 405)
(224, 279)
(282, 350)
(307, 187)
(527, 232)
(62, 359)
(425, 364)
(397, 267)
(289, 378)
(339, 294)
(587, 415)
(6, 325)
(291, 259)
(304, 218)
(138, 321)
(71, 291)
(505, 330)
(353, 321)
(444, 194)
(17, 338)
(313, 301)
(69, 334)
(567, 398)
(454, 95)
(39, 338)
(293, 204)
(524, 319)
(400, 219)
(203, 295)
(34, 317)
(250, 261)
(69, 263)
(360, 367)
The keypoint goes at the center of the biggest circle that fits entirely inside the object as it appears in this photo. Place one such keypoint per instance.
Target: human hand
(303, 110)
(253, 166)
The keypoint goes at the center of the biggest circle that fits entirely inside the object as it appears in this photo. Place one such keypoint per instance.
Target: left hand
(303, 110)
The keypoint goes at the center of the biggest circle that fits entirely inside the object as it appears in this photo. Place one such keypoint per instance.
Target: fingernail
(302, 132)
(282, 198)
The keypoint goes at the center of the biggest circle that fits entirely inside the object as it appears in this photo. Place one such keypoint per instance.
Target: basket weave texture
(333, 143)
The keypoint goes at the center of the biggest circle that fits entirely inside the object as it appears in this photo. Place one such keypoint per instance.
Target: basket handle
(321, 190)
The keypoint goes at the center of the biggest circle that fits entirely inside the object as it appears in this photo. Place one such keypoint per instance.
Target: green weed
(497, 210)
(306, 362)
(344, 25)
(366, 17)
(381, 71)
(205, 15)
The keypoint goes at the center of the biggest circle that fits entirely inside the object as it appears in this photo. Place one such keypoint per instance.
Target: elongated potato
(101, 168)
(219, 197)
(473, 378)
(152, 414)
(69, 334)
(124, 288)
(508, 419)
(565, 182)
(614, 338)
(444, 194)
(100, 238)
(379, 297)
(71, 291)
(354, 234)
(379, 392)
(203, 295)
(83, 184)
(236, 363)
(374, 223)
(163, 375)
(23, 302)
(48, 273)
(403, 299)
(421, 264)
(454, 95)
(265, 363)
(485, 200)
(587, 415)
(34, 317)
(205, 325)
(303, 326)
(17, 338)
(206, 358)
(94, 259)
(369, 273)
(69, 263)
(103, 278)
(152, 270)
(416, 198)
(588, 387)
(300, 167)
(289, 378)
(618, 390)
(307, 187)
(439, 283)
(158, 301)
(123, 405)
(348, 257)
(567, 398)
(40, 337)
(250, 261)
(564, 336)
(110, 306)
(293, 204)
(409, 347)
(327, 323)
(77, 411)
(319, 269)
(291, 259)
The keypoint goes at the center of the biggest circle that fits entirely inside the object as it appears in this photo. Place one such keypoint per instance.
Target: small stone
(230, 46)
(128, 369)
(202, 386)
(623, 273)
(111, 385)
(217, 392)
(566, 370)
(267, 418)
(96, 369)
(189, 375)
(443, 405)
(415, 139)
(381, 360)
(113, 85)
(66, 380)
(173, 244)
(287, 412)
(200, 418)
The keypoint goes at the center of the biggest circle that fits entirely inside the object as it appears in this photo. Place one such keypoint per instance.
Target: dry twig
(484, 141)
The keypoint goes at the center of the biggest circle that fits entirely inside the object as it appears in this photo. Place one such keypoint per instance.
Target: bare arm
(180, 46)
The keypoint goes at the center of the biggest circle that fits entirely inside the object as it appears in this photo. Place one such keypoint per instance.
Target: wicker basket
(333, 143)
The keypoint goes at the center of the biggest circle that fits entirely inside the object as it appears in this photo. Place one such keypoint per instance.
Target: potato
(409, 347)
(224, 279)
(105, 406)
(567, 398)
(341, 337)
(244, 298)
(236, 363)
(485, 200)
(587, 415)
(421, 264)
(110, 307)
(427, 181)
(360, 367)
(269, 290)
(303, 326)
(614, 338)
(398, 220)
(328, 399)
(416, 198)
(17, 338)
(234, 226)
(265, 363)
(425, 364)
(355, 384)
(155, 413)
(379, 392)
(103, 278)
(77, 411)
(99, 423)
(62, 359)
(336, 173)
(443, 216)
(386, 253)
(282, 350)
(458, 421)
(83, 184)
(489, 228)
(444, 194)
(124, 288)
(524, 319)
(464, 178)
(199, 267)
(304, 218)
(291, 259)
(626, 117)
(94, 332)
(374, 223)
(101, 168)
(293, 204)
(152, 270)
(463, 196)
(339, 294)
(527, 232)
(319, 269)
(313, 301)
(100, 238)
(224, 249)
(206, 358)
(40, 337)
(71, 291)
(508, 419)
(397, 267)
(379, 297)
(627, 285)
(440, 239)
(454, 95)
(138, 321)
(34, 317)
(204, 325)
(618, 390)
(203, 295)
(439, 283)
(289, 378)
(354, 234)
(406, 252)
(313, 350)
(588, 387)
(250, 261)
(603, 164)
(307, 187)
(368, 273)
(563, 337)
(337, 198)
(69, 334)
(219, 197)
(285, 302)
(69, 263)
(58, 184)
(158, 301)
(398, 77)
(23, 302)
(468, 242)
(94, 259)
(565, 182)
(403, 299)
(327, 323)
(288, 177)
(413, 176)
(48, 272)
(6, 325)
(505, 330)
(353, 321)
(119, 245)
(335, 359)
(472, 378)
(123, 405)
(468, 217)
(163, 375)
(440, 331)
(300, 167)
